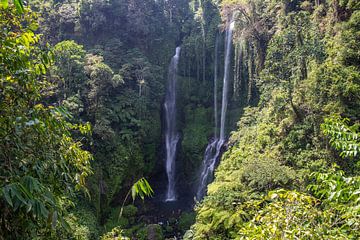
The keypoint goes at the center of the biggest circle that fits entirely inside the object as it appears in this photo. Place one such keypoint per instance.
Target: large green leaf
(18, 5)
(4, 3)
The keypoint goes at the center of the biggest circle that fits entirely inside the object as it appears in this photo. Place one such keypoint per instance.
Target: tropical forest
(179, 119)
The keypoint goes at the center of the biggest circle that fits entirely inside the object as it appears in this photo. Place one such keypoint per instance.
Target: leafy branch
(343, 137)
(140, 188)
(18, 4)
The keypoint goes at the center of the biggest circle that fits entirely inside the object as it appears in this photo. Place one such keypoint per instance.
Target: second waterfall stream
(213, 149)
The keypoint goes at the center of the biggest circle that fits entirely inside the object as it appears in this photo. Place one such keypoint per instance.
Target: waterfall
(215, 86)
(228, 41)
(213, 149)
(212, 153)
(171, 135)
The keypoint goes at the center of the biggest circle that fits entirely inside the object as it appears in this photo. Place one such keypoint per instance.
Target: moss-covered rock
(154, 232)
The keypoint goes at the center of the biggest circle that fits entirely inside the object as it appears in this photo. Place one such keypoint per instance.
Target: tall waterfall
(171, 134)
(213, 149)
(228, 41)
(215, 85)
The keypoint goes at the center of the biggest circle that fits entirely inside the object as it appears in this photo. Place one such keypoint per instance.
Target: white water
(213, 150)
(228, 40)
(215, 86)
(212, 153)
(171, 135)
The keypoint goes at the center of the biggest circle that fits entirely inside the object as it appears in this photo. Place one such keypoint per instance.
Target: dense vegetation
(280, 177)
(81, 118)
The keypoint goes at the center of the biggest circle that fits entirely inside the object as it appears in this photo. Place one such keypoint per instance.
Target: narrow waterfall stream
(228, 41)
(216, 86)
(213, 150)
(171, 134)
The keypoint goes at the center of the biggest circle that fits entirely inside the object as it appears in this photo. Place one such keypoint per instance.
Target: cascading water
(212, 153)
(171, 135)
(224, 103)
(213, 149)
(215, 85)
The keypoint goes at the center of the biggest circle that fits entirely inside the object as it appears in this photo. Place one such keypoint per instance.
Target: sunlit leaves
(272, 141)
(343, 137)
(334, 186)
(43, 164)
(4, 3)
(283, 214)
(18, 4)
(340, 195)
(141, 188)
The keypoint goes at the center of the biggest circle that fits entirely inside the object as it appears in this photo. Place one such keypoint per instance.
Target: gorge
(179, 119)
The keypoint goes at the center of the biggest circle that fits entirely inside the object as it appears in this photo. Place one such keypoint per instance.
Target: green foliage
(124, 221)
(141, 188)
(43, 162)
(197, 130)
(186, 220)
(335, 187)
(114, 233)
(120, 110)
(336, 87)
(83, 224)
(68, 67)
(274, 181)
(281, 214)
(343, 137)
(290, 214)
(19, 5)
(302, 57)
(350, 36)
(266, 173)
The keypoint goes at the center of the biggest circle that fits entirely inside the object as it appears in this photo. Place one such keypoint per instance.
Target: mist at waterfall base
(213, 149)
